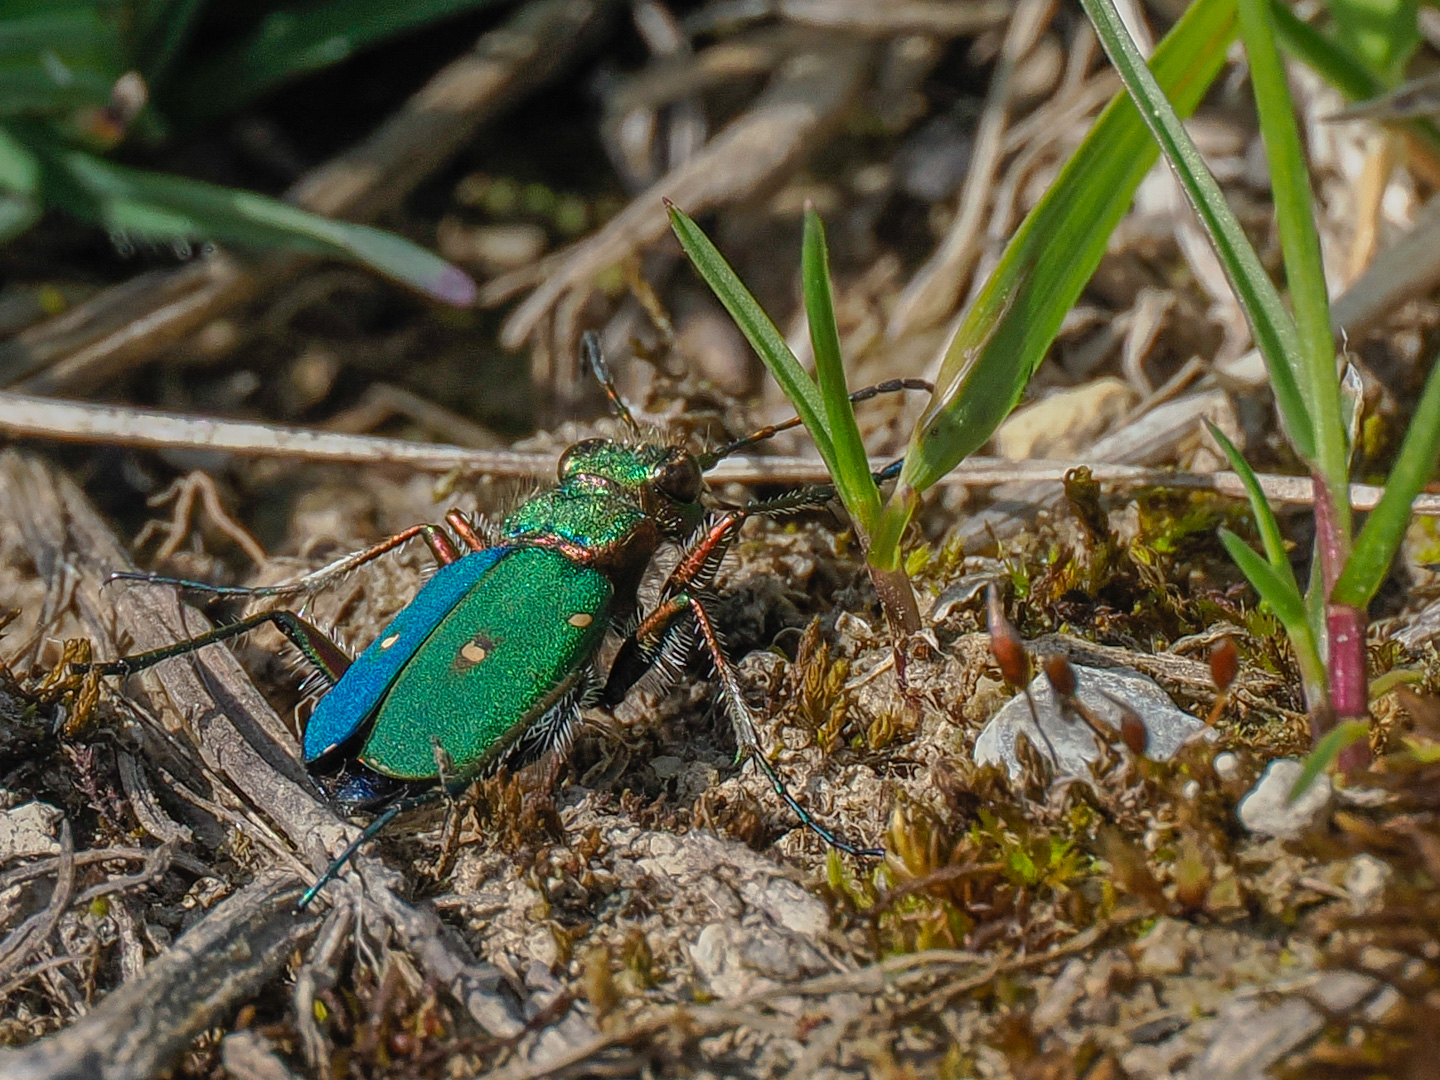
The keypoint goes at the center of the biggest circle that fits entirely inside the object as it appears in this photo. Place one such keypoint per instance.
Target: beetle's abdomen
(492, 665)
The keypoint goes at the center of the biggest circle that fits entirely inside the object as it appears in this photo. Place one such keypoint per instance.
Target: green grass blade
(291, 42)
(1270, 323)
(1283, 596)
(164, 207)
(852, 466)
(1327, 751)
(1268, 526)
(1314, 362)
(1341, 70)
(1385, 528)
(768, 343)
(1381, 33)
(1052, 256)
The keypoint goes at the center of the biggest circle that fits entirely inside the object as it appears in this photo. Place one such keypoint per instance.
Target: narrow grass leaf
(1265, 521)
(1270, 323)
(1017, 313)
(852, 466)
(1385, 527)
(1314, 361)
(767, 341)
(1327, 751)
(293, 41)
(158, 206)
(1282, 596)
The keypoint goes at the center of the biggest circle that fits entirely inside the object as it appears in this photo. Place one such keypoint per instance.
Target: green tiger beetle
(492, 661)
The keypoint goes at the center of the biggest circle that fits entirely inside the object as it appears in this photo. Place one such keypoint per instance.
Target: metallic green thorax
(502, 656)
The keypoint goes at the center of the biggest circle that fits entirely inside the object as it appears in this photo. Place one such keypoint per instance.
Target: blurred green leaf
(1327, 751)
(162, 27)
(291, 42)
(1273, 329)
(161, 207)
(767, 341)
(1382, 33)
(852, 467)
(17, 214)
(19, 168)
(57, 57)
(1385, 527)
(1312, 361)
(1016, 315)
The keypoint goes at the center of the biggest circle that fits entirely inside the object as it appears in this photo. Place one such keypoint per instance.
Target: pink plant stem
(1345, 633)
(1330, 546)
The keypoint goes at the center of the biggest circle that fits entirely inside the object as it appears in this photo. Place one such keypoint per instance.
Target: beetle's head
(665, 480)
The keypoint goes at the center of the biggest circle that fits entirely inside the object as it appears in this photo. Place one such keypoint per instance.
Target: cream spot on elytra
(389, 641)
(473, 652)
(580, 620)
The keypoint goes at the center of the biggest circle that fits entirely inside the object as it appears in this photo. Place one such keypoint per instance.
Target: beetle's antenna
(595, 357)
(893, 386)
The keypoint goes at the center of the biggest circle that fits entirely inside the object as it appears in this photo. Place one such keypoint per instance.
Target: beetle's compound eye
(679, 478)
(573, 460)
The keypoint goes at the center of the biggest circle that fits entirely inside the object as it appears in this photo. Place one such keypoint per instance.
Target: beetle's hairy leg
(743, 720)
(464, 527)
(646, 646)
(440, 545)
(317, 648)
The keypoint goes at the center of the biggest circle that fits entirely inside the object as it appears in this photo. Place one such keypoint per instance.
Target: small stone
(1227, 766)
(1365, 881)
(1052, 1010)
(666, 767)
(1167, 727)
(1165, 949)
(29, 830)
(1267, 810)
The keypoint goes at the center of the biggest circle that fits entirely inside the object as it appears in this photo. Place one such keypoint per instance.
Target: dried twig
(30, 935)
(808, 95)
(224, 960)
(935, 289)
(125, 426)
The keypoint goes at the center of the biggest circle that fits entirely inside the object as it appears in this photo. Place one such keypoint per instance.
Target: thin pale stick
(49, 418)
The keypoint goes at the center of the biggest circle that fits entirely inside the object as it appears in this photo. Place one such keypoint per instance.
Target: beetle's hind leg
(435, 537)
(328, 659)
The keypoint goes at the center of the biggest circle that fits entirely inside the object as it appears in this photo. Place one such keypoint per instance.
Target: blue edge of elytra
(339, 714)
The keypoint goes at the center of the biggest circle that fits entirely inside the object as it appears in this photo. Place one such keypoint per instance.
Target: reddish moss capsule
(1005, 643)
(1224, 663)
(1061, 676)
